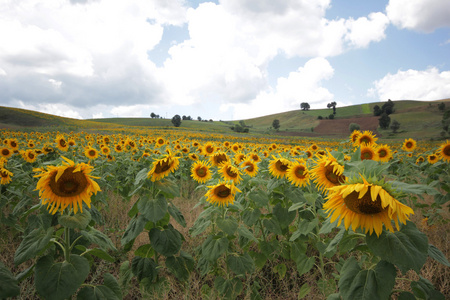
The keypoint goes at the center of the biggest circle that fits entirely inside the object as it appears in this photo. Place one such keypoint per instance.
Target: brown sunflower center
(70, 183)
(382, 153)
(231, 173)
(162, 166)
(300, 172)
(201, 172)
(446, 150)
(220, 158)
(209, 149)
(3, 174)
(365, 205)
(281, 167)
(13, 144)
(31, 155)
(333, 177)
(62, 143)
(409, 145)
(367, 154)
(5, 152)
(222, 191)
(250, 167)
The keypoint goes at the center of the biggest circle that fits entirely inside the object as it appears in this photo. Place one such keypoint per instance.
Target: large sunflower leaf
(169, 187)
(56, 281)
(97, 237)
(424, 289)
(32, 244)
(8, 284)
(134, 228)
(283, 215)
(407, 248)
(177, 215)
(240, 264)
(76, 221)
(181, 266)
(167, 241)
(228, 225)
(213, 247)
(373, 284)
(153, 209)
(436, 254)
(143, 267)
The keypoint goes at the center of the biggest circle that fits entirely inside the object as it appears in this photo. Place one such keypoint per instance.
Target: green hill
(418, 119)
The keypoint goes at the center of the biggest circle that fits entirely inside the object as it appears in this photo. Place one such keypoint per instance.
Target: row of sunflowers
(265, 201)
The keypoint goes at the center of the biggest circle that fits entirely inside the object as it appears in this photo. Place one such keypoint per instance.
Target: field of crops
(177, 215)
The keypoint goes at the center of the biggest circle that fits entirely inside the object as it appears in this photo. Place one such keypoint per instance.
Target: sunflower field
(167, 214)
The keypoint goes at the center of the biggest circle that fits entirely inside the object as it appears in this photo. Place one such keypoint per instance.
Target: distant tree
(441, 106)
(276, 124)
(152, 115)
(242, 123)
(388, 107)
(446, 121)
(199, 118)
(320, 117)
(332, 105)
(176, 120)
(377, 111)
(353, 126)
(304, 106)
(210, 120)
(384, 121)
(331, 117)
(184, 118)
(395, 126)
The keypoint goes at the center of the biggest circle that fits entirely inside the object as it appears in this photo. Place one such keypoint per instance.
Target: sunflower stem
(262, 229)
(74, 242)
(67, 244)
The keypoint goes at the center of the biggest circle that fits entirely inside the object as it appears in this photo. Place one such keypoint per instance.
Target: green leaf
(240, 264)
(296, 206)
(283, 215)
(406, 296)
(9, 286)
(125, 275)
(407, 248)
(110, 290)
(76, 221)
(280, 269)
(304, 290)
(213, 247)
(413, 188)
(60, 280)
(111, 282)
(304, 264)
(273, 226)
(140, 176)
(177, 215)
(153, 209)
(337, 238)
(228, 225)
(244, 232)
(228, 288)
(251, 216)
(167, 241)
(169, 187)
(436, 254)
(200, 225)
(366, 284)
(260, 197)
(101, 254)
(305, 227)
(424, 289)
(32, 244)
(134, 228)
(326, 287)
(348, 242)
(143, 267)
(97, 237)
(145, 251)
(181, 266)
(327, 227)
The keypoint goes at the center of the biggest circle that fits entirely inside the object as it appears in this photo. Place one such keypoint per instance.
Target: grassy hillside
(419, 119)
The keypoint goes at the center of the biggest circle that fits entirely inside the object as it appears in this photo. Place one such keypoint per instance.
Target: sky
(220, 60)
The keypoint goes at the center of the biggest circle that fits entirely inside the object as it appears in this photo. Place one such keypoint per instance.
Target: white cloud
(420, 15)
(364, 30)
(429, 84)
(129, 110)
(303, 85)
(58, 109)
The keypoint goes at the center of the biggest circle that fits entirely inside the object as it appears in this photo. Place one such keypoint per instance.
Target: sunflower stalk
(67, 247)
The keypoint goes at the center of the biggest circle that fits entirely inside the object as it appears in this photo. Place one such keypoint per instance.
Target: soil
(339, 127)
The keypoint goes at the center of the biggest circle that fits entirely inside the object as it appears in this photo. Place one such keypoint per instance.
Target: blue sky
(220, 60)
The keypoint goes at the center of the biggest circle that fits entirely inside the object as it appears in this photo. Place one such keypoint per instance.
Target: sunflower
(61, 143)
(6, 152)
(366, 205)
(368, 152)
(201, 171)
(278, 167)
(250, 167)
(366, 137)
(235, 147)
(298, 173)
(105, 150)
(31, 144)
(159, 142)
(5, 176)
(91, 153)
(354, 136)
(65, 186)
(193, 156)
(71, 142)
(230, 172)
(208, 149)
(218, 158)
(384, 153)
(409, 145)
(29, 156)
(255, 157)
(433, 158)
(238, 158)
(420, 160)
(444, 151)
(221, 194)
(163, 167)
(118, 148)
(13, 144)
(327, 172)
